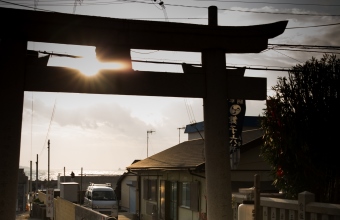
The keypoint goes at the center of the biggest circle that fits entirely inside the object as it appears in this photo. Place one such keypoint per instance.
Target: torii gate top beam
(93, 31)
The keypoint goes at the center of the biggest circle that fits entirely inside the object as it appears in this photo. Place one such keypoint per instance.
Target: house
(172, 183)
(126, 191)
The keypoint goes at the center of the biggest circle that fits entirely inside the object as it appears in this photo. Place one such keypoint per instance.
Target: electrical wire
(321, 25)
(274, 47)
(190, 112)
(314, 51)
(270, 3)
(49, 127)
(199, 7)
(287, 56)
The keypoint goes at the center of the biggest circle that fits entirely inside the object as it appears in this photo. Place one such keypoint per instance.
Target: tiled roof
(188, 154)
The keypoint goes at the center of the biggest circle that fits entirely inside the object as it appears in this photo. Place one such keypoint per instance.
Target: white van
(101, 198)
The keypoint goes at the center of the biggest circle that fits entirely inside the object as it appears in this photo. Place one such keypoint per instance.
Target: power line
(190, 6)
(306, 46)
(314, 51)
(222, 1)
(49, 127)
(287, 56)
(321, 25)
(25, 6)
(250, 68)
(275, 47)
(270, 3)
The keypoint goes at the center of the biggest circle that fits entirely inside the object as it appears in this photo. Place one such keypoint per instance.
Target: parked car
(101, 198)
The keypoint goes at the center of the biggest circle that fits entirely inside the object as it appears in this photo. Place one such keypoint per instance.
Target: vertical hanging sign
(236, 114)
(49, 202)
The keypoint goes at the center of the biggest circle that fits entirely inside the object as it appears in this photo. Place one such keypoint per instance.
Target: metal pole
(147, 142)
(81, 184)
(48, 170)
(36, 175)
(64, 175)
(30, 186)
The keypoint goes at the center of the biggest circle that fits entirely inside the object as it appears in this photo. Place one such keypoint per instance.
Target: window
(103, 195)
(185, 195)
(150, 189)
(189, 195)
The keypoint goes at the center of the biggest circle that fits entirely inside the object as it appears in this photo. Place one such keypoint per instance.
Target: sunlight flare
(91, 66)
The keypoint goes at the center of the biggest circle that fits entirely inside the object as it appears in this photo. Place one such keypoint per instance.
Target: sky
(109, 132)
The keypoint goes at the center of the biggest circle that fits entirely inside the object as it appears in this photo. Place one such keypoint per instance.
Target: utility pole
(48, 170)
(179, 134)
(36, 175)
(147, 141)
(30, 186)
(81, 185)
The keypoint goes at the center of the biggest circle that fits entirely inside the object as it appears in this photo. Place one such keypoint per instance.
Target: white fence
(284, 209)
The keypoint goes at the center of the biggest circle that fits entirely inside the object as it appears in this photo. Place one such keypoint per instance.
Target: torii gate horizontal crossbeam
(154, 35)
(61, 79)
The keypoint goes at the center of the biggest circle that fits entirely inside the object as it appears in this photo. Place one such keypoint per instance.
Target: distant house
(172, 183)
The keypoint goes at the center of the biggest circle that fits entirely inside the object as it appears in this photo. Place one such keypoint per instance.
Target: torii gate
(215, 86)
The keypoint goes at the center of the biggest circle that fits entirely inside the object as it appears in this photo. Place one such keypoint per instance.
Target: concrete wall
(82, 213)
(64, 209)
(42, 197)
(67, 210)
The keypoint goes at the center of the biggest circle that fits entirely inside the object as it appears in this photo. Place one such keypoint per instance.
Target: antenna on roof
(147, 141)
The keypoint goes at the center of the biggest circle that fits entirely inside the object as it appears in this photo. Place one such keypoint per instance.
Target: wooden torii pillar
(214, 85)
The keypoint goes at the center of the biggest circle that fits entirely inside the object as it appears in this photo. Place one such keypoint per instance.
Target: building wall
(251, 164)
(196, 135)
(178, 176)
(251, 160)
(240, 179)
(125, 195)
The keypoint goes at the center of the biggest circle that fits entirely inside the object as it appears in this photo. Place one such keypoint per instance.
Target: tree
(300, 127)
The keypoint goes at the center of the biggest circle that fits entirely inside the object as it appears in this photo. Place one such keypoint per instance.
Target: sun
(87, 65)
(85, 60)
